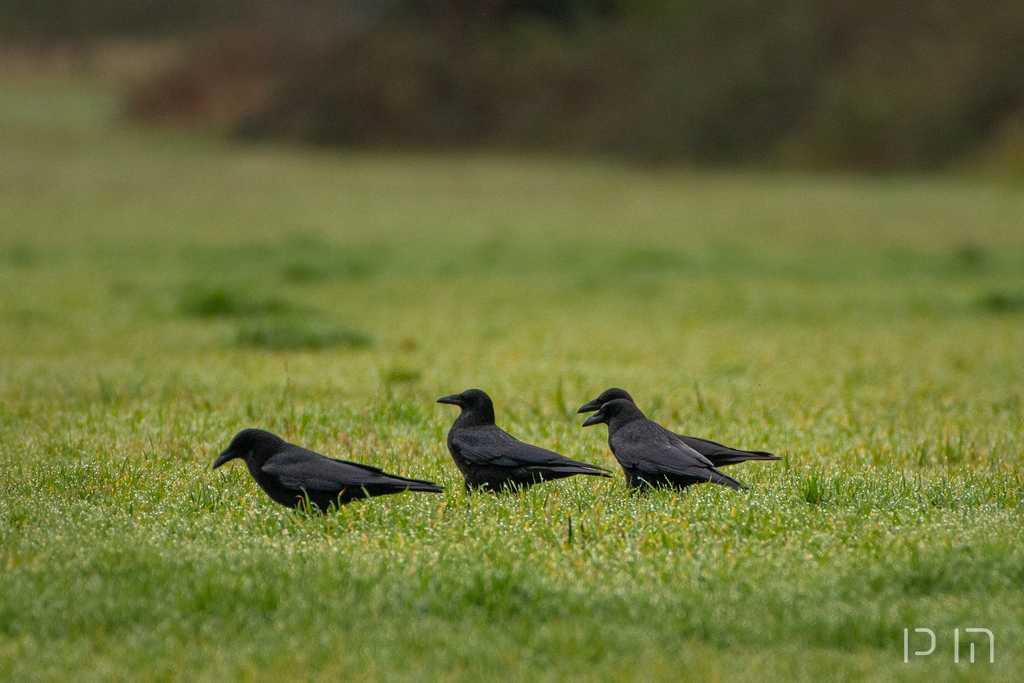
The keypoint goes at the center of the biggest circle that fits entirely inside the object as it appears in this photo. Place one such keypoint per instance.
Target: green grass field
(161, 290)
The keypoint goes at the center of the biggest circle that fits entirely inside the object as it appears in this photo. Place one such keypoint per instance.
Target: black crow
(492, 459)
(651, 455)
(719, 455)
(289, 474)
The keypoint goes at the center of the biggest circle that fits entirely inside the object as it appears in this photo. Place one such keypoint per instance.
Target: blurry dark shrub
(83, 20)
(22, 256)
(286, 334)
(861, 84)
(214, 301)
(400, 375)
(916, 83)
(223, 78)
(1002, 302)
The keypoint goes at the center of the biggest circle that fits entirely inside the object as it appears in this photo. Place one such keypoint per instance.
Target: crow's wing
(657, 436)
(664, 460)
(301, 469)
(492, 446)
(647, 446)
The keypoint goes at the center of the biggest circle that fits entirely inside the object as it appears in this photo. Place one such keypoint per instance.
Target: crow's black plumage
(651, 455)
(718, 454)
(289, 474)
(492, 459)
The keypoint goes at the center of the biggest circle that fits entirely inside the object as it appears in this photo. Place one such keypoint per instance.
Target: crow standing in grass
(490, 458)
(719, 455)
(651, 455)
(289, 474)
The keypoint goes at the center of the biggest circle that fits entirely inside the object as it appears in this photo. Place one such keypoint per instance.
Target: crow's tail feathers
(736, 457)
(561, 471)
(420, 485)
(587, 468)
(596, 472)
(725, 480)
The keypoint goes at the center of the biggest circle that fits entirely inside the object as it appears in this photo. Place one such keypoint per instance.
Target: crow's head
(470, 399)
(606, 395)
(615, 412)
(473, 402)
(249, 443)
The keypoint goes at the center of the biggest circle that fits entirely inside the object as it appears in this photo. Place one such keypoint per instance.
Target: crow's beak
(228, 454)
(452, 400)
(590, 407)
(596, 418)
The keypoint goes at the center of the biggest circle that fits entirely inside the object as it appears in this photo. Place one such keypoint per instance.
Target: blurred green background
(793, 226)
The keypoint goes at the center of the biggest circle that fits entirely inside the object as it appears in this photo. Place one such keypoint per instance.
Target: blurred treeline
(864, 84)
